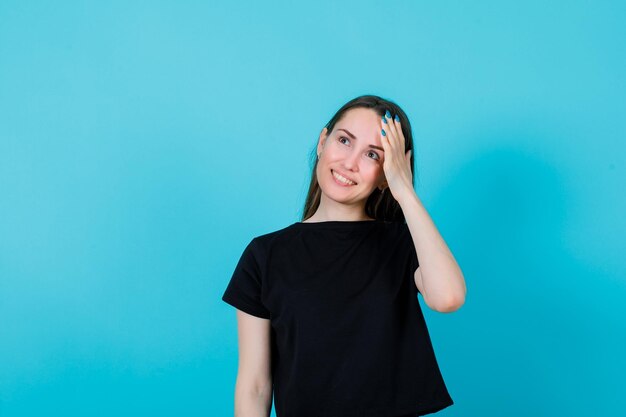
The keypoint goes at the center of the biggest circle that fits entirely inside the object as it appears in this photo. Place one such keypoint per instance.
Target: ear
(322, 140)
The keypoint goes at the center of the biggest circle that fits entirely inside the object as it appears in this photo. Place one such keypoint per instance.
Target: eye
(376, 156)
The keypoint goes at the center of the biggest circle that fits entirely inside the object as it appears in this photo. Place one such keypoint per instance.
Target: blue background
(143, 144)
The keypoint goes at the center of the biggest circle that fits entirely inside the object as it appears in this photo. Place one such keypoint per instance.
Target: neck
(330, 210)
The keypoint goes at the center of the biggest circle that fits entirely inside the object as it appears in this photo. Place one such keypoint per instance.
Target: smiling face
(351, 158)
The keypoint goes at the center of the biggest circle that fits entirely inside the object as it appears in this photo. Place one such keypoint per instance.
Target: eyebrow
(354, 137)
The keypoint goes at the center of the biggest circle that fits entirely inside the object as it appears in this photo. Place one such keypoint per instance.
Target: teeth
(343, 179)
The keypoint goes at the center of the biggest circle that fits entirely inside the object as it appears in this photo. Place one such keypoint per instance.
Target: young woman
(329, 321)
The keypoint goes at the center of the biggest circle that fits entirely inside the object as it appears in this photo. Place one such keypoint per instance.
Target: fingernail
(383, 130)
(384, 120)
(388, 114)
(397, 118)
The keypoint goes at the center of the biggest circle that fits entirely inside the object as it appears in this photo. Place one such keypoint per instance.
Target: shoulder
(396, 233)
(395, 227)
(267, 239)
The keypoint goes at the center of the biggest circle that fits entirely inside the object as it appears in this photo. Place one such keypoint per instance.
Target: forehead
(361, 122)
(360, 114)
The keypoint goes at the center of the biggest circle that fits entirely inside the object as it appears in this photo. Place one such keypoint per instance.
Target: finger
(387, 150)
(398, 130)
(399, 141)
(392, 123)
(385, 130)
(384, 138)
(387, 126)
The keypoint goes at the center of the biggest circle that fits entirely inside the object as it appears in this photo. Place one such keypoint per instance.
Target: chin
(345, 196)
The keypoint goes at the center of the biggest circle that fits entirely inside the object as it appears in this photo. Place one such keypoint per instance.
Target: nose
(351, 162)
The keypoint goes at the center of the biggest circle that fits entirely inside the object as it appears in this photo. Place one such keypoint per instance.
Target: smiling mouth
(341, 179)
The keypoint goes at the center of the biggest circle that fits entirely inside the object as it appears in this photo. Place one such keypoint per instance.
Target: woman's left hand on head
(397, 163)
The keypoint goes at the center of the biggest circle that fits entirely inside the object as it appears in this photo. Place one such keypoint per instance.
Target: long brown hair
(380, 205)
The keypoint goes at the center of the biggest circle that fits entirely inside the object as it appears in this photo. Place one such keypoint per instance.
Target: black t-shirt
(348, 336)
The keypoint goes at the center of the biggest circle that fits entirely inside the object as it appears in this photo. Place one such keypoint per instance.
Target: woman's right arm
(253, 389)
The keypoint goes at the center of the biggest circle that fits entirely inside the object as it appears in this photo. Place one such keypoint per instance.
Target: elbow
(451, 305)
(253, 400)
(454, 302)
(251, 388)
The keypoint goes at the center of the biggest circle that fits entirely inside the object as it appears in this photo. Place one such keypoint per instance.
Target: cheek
(332, 154)
(380, 174)
(322, 169)
(373, 173)
(332, 150)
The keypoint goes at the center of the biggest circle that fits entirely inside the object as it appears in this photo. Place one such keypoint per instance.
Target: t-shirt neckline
(336, 223)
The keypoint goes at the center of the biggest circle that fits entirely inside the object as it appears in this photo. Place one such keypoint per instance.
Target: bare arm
(253, 389)
(438, 278)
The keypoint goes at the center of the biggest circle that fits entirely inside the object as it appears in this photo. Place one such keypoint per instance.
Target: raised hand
(397, 163)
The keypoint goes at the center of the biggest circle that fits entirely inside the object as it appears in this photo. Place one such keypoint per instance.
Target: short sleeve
(407, 240)
(244, 289)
